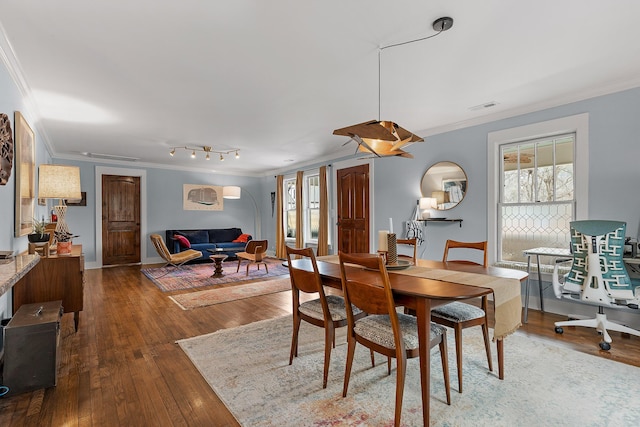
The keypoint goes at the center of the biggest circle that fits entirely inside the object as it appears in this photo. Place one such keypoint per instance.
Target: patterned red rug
(192, 300)
(199, 275)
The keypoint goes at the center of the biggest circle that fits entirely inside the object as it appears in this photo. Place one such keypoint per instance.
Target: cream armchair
(175, 260)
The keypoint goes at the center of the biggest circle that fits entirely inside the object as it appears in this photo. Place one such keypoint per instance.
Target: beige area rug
(545, 385)
(198, 299)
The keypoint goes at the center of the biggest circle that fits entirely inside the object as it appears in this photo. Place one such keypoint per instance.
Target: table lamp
(425, 206)
(59, 182)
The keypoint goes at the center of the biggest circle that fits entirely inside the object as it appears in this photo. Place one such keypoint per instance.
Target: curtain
(323, 230)
(280, 245)
(299, 210)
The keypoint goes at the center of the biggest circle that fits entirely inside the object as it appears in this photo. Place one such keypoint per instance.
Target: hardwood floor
(123, 367)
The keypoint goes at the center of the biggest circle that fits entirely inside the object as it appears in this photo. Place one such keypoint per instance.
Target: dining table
(429, 284)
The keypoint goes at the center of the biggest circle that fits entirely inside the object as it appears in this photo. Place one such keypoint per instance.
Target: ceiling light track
(207, 150)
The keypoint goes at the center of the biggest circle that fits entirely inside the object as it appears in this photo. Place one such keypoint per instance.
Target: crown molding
(12, 64)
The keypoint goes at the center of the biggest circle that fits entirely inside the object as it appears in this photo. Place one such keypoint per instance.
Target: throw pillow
(184, 242)
(243, 238)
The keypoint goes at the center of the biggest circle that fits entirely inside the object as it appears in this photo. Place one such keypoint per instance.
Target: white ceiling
(275, 78)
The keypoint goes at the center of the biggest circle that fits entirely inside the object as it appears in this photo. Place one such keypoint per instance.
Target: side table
(217, 259)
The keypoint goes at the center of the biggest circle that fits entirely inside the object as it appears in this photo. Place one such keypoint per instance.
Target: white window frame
(306, 232)
(285, 217)
(578, 124)
(307, 208)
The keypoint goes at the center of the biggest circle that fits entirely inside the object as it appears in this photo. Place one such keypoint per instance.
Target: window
(312, 207)
(290, 207)
(537, 184)
(537, 195)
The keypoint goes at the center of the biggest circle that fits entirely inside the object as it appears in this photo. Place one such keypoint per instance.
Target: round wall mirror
(445, 183)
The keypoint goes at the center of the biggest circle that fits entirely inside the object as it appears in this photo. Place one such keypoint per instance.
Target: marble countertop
(14, 269)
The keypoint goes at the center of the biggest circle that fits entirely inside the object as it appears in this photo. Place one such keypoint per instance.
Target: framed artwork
(448, 184)
(77, 202)
(25, 164)
(6, 149)
(197, 197)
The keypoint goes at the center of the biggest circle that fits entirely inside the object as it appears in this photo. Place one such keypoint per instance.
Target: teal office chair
(597, 276)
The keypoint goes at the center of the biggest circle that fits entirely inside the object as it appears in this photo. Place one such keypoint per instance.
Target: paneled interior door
(353, 209)
(120, 219)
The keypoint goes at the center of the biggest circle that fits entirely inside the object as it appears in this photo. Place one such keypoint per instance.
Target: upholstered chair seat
(378, 329)
(459, 312)
(336, 305)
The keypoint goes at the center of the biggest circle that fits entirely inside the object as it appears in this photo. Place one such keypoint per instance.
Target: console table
(56, 277)
(14, 269)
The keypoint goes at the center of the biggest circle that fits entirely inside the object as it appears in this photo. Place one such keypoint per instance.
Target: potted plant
(39, 234)
(63, 240)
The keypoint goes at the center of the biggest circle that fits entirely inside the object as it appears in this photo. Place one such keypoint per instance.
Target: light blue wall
(11, 100)
(164, 205)
(614, 169)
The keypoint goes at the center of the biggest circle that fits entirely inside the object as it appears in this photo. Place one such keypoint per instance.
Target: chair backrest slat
(453, 244)
(161, 247)
(303, 280)
(373, 295)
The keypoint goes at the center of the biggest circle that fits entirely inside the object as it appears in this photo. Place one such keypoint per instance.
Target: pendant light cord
(381, 48)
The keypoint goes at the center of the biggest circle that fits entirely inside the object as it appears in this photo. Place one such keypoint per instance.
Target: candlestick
(382, 240)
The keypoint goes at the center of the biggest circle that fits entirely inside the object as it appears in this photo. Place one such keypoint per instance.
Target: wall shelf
(444, 220)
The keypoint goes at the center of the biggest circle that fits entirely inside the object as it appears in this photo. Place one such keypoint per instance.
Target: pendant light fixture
(386, 138)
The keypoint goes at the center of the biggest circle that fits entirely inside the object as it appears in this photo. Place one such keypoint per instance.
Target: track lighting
(208, 150)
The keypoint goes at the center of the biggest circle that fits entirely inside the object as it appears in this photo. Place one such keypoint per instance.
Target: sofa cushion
(197, 236)
(184, 242)
(223, 234)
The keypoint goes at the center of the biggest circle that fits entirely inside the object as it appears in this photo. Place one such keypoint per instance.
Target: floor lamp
(233, 192)
(59, 182)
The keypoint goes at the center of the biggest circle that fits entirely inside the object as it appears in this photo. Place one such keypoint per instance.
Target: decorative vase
(64, 248)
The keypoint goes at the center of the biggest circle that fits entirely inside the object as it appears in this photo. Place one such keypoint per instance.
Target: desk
(422, 295)
(538, 252)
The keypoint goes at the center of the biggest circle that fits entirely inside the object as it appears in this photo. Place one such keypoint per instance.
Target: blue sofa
(201, 240)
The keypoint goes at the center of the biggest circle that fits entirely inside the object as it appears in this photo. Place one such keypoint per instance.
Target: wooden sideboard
(56, 277)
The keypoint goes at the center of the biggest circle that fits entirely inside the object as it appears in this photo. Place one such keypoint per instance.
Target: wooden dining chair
(384, 330)
(460, 315)
(326, 311)
(254, 253)
(413, 245)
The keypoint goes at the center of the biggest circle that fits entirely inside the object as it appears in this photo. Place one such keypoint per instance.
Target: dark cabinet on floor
(31, 347)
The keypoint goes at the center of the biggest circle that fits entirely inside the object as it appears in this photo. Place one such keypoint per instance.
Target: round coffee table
(218, 261)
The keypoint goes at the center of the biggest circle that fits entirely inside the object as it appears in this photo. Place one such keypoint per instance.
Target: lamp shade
(427, 203)
(231, 192)
(59, 182)
(440, 197)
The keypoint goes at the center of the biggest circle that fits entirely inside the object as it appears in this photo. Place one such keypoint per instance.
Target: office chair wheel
(605, 346)
(559, 330)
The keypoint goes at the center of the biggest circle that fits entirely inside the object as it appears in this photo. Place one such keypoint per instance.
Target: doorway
(116, 249)
(120, 219)
(352, 207)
